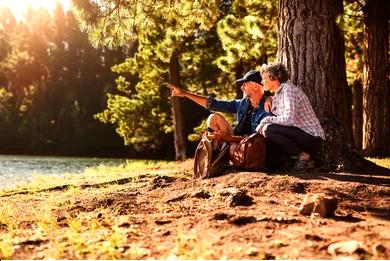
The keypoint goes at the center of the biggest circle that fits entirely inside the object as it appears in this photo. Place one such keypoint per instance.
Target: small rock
(269, 256)
(228, 191)
(239, 221)
(273, 202)
(286, 220)
(306, 208)
(378, 249)
(279, 219)
(323, 205)
(162, 222)
(326, 207)
(252, 252)
(99, 215)
(313, 237)
(32, 242)
(163, 179)
(279, 243)
(123, 249)
(298, 188)
(125, 225)
(201, 194)
(160, 182)
(240, 199)
(346, 247)
(177, 198)
(166, 233)
(221, 216)
(265, 219)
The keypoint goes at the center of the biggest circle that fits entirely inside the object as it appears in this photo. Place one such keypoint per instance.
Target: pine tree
(248, 35)
(376, 87)
(175, 25)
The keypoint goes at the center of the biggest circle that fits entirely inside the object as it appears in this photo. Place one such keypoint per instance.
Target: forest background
(101, 90)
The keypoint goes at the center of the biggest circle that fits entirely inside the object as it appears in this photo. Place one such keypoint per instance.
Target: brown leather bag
(209, 163)
(249, 153)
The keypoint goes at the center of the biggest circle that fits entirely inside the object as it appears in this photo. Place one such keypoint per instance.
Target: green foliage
(49, 73)
(54, 81)
(352, 26)
(142, 111)
(7, 108)
(109, 23)
(139, 113)
(248, 34)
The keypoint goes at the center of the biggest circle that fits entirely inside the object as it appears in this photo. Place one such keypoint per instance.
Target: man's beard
(246, 95)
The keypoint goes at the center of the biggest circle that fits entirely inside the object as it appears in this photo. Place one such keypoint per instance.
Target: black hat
(251, 76)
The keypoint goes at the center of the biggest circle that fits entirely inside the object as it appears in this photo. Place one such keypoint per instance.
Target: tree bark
(177, 112)
(312, 47)
(376, 78)
(357, 113)
(239, 73)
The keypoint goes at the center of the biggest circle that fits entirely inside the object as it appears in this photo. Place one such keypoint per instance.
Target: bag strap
(253, 135)
(221, 153)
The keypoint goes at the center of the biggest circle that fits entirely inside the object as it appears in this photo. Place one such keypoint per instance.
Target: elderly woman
(294, 126)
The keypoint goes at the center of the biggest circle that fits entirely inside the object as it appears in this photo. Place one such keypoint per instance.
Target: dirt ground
(165, 216)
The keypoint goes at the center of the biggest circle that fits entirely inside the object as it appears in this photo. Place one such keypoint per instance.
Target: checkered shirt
(291, 107)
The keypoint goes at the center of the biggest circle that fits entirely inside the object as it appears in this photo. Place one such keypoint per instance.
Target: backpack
(209, 163)
(249, 153)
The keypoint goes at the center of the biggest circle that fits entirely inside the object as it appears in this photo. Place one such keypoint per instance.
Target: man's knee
(214, 117)
(216, 121)
(213, 121)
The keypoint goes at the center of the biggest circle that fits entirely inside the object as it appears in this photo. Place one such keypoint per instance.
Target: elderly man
(293, 126)
(249, 110)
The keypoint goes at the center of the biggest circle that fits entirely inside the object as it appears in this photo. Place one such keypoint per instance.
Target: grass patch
(75, 222)
(100, 174)
(6, 247)
(119, 220)
(384, 162)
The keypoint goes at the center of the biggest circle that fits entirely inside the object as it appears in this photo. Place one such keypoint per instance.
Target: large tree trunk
(376, 78)
(312, 47)
(177, 112)
(357, 113)
(239, 73)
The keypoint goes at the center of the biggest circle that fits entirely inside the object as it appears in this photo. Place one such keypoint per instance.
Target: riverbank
(23, 168)
(158, 211)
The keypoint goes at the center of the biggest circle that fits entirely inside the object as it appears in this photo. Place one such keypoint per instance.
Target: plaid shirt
(291, 107)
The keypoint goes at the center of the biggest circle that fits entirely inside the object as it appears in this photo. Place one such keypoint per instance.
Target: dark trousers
(292, 140)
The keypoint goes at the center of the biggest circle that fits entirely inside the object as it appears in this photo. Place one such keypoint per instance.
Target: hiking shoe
(300, 166)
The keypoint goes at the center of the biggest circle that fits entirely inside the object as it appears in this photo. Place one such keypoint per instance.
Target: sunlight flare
(19, 7)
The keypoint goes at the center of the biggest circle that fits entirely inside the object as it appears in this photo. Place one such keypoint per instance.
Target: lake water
(14, 169)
